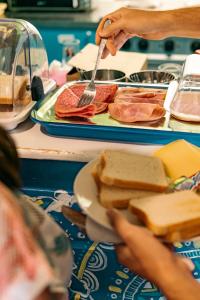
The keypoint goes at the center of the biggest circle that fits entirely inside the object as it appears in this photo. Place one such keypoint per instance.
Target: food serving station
(53, 150)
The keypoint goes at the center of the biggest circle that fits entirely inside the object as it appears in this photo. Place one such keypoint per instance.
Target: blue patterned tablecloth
(96, 273)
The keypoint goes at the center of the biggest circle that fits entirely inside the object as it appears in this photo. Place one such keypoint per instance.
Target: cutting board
(127, 62)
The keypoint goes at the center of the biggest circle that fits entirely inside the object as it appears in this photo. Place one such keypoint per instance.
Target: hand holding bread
(140, 259)
(136, 182)
(145, 255)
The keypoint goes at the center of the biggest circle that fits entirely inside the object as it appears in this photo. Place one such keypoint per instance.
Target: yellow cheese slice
(180, 158)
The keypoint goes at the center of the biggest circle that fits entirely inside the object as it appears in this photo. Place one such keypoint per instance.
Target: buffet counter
(32, 143)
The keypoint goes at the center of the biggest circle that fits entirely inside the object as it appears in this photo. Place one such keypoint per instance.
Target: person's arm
(147, 256)
(153, 25)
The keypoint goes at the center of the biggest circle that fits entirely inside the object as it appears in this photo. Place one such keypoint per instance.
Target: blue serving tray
(106, 129)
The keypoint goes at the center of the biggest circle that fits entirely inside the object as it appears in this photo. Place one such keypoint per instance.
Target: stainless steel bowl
(151, 77)
(104, 75)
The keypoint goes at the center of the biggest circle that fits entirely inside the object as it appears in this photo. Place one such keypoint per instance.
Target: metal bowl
(104, 75)
(151, 77)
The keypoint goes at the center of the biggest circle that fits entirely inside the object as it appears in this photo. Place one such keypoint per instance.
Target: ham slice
(139, 91)
(137, 104)
(154, 100)
(186, 106)
(140, 95)
(66, 104)
(134, 112)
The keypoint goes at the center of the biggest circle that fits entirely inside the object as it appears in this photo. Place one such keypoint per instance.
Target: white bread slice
(131, 170)
(116, 197)
(169, 214)
(20, 92)
(113, 196)
(96, 171)
(183, 234)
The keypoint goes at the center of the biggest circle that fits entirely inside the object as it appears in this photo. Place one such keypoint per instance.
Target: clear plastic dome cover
(186, 103)
(22, 58)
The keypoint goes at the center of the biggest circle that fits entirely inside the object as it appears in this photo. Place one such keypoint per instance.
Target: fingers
(118, 221)
(124, 255)
(188, 263)
(111, 30)
(132, 235)
(105, 53)
(121, 39)
(110, 45)
(115, 43)
(100, 28)
(113, 17)
(129, 233)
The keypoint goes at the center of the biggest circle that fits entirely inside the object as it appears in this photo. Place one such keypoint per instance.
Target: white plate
(85, 190)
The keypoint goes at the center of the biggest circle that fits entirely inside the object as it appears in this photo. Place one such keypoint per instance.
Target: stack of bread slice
(138, 182)
(122, 176)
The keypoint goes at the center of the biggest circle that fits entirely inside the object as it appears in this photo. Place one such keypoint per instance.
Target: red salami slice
(104, 93)
(66, 104)
(135, 112)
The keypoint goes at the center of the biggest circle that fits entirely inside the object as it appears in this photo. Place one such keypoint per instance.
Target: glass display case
(24, 74)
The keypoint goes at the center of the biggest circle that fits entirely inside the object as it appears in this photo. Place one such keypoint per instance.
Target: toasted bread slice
(131, 170)
(167, 214)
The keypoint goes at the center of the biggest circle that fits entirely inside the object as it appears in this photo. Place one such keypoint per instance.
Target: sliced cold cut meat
(129, 113)
(140, 95)
(66, 104)
(143, 92)
(104, 93)
(154, 100)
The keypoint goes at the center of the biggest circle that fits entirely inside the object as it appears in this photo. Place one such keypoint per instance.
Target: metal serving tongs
(90, 90)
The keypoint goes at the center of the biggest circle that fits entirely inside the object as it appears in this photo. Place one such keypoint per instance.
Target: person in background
(35, 255)
(141, 252)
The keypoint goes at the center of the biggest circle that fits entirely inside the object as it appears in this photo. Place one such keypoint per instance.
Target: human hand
(127, 23)
(143, 253)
